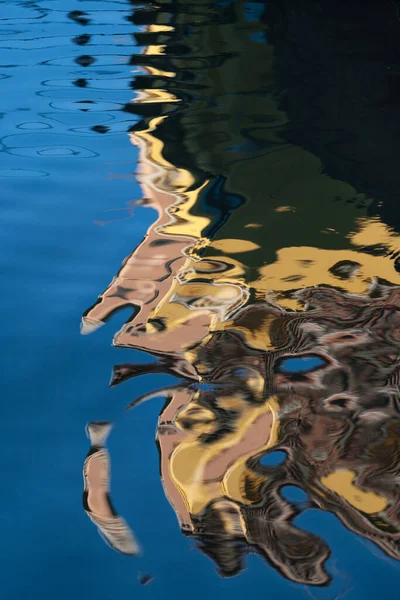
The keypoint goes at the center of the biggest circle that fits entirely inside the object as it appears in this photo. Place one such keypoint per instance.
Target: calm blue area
(301, 364)
(272, 459)
(65, 191)
(294, 494)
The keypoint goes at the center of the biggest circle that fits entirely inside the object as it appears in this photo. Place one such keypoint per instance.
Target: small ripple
(73, 118)
(54, 152)
(4, 32)
(87, 106)
(74, 94)
(116, 128)
(37, 144)
(34, 125)
(106, 84)
(102, 60)
(22, 173)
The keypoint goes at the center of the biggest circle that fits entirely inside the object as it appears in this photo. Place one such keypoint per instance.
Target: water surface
(213, 186)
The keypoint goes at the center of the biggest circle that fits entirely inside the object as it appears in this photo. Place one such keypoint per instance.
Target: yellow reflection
(204, 473)
(342, 483)
(372, 231)
(155, 50)
(301, 267)
(159, 72)
(149, 96)
(235, 246)
(155, 27)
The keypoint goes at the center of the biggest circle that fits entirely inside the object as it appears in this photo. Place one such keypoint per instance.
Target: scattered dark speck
(85, 60)
(79, 16)
(80, 83)
(81, 40)
(145, 579)
(100, 128)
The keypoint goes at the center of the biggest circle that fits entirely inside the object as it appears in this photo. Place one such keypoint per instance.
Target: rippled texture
(263, 301)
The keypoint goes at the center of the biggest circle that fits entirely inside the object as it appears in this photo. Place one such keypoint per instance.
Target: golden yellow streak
(190, 459)
(191, 226)
(372, 231)
(234, 246)
(155, 50)
(342, 483)
(299, 267)
(154, 146)
(154, 28)
(232, 482)
(148, 96)
(159, 72)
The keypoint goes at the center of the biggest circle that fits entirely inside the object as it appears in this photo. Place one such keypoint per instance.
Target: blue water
(271, 459)
(68, 219)
(301, 365)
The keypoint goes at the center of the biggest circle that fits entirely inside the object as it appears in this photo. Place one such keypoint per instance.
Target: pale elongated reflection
(96, 500)
(268, 290)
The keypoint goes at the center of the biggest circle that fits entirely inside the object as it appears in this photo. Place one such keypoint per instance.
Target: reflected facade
(268, 285)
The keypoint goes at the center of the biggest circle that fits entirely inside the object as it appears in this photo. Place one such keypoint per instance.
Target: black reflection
(100, 128)
(80, 82)
(79, 17)
(81, 40)
(85, 60)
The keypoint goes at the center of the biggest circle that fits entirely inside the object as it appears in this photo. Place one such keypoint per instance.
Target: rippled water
(242, 156)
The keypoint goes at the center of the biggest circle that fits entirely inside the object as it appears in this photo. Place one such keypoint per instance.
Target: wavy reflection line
(96, 501)
(267, 289)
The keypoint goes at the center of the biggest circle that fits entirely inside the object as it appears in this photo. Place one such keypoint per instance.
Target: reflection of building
(332, 386)
(264, 279)
(96, 501)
